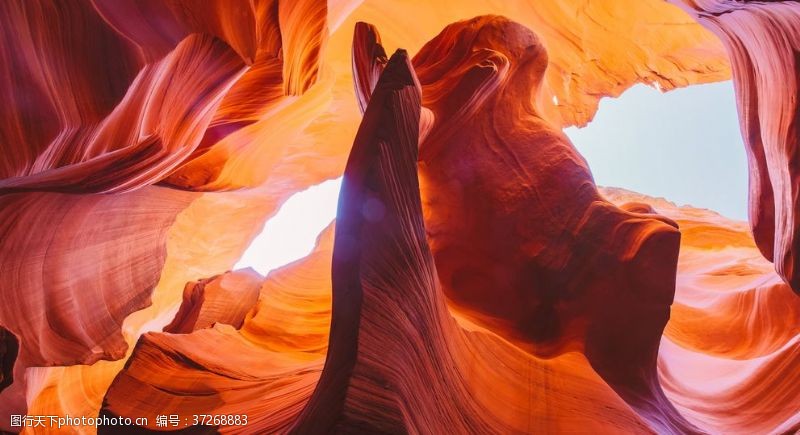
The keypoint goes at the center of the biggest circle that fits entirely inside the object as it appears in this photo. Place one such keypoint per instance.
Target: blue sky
(684, 145)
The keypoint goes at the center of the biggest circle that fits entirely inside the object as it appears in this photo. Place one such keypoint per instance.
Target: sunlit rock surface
(224, 299)
(537, 259)
(730, 355)
(74, 267)
(265, 368)
(477, 283)
(397, 360)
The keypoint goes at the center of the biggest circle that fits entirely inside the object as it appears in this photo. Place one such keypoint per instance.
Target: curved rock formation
(729, 356)
(478, 283)
(272, 360)
(63, 283)
(143, 137)
(180, 79)
(125, 101)
(369, 60)
(536, 259)
(596, 48)
(9, 349)
(391, 332)
(223, 299)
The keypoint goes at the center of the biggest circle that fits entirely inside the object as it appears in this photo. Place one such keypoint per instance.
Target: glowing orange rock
(223, 299)
(9, 349)
(127, 99)
(145, 89)
(397, 360)
(524, 244)
(271, 104)
(539, 305)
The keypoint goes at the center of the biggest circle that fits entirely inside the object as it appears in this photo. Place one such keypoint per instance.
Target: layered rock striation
(476, 280)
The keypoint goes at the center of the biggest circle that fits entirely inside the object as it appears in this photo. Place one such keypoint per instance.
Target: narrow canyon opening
(683, 145)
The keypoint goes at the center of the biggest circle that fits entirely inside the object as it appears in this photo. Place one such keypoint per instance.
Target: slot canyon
(475, 280)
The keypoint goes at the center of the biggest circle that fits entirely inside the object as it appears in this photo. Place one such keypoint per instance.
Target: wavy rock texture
(79, 390)
(391, 331)
(63, 282)
(9, 352)
(272, 361)
(179, 85)
(550, 319)
(729, 356)
(596, 48)
(142, 135)
(223, 299)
